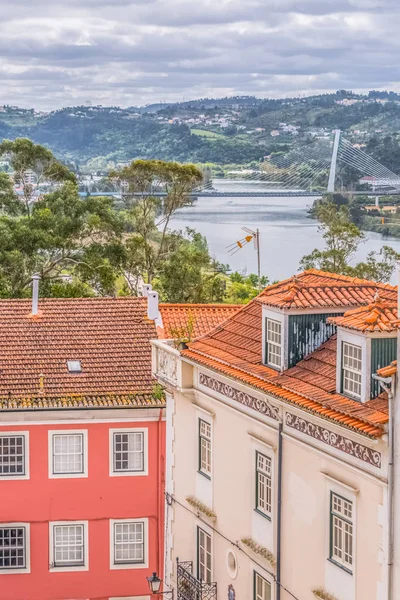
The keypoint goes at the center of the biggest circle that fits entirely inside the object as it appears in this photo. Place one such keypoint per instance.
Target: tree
(28, 159)
(63, 232)
(342, 239)
(149, 213)
(188, 274)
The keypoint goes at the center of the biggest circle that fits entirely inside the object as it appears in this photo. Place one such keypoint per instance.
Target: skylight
(74, 366)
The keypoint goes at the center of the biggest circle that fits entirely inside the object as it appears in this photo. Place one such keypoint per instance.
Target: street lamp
(155, 584)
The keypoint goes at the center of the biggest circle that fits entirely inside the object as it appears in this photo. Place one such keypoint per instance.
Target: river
(286, 232)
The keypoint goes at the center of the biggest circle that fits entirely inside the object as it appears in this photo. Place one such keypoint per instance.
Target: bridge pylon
(332, 172)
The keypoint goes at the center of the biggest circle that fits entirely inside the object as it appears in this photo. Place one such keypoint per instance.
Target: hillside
(235, 130)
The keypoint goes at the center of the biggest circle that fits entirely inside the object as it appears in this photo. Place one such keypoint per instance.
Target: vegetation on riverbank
(88, 246)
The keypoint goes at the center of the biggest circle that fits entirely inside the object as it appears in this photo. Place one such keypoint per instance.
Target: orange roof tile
(380, 316)
(388, 371)
(110, 336)
(235, 349)
(204, 317)
(319, 289)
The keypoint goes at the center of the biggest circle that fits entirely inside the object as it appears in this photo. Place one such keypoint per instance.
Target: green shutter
(306, 333)
(383, 352)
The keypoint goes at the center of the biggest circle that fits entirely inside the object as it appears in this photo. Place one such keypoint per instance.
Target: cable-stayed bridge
(323, 165)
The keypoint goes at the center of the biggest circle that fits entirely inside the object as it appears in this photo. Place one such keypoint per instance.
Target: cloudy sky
(56, 53)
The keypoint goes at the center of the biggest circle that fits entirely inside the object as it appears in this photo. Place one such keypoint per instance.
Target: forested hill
(235, 130)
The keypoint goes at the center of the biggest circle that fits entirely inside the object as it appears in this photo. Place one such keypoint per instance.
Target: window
(68, 453)
(129, 543)
(14, 548)
(262, 588)
(129, 452)
(263, 484)
(204, 448)
(341, 531)
(12, 455)
(69, 546)
(351, 370)
(203, 556)
(274, 343)
(74, 366)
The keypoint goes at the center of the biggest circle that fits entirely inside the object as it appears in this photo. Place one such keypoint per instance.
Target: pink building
(81, 450)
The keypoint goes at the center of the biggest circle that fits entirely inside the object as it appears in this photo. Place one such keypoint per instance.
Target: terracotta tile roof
(235, 349)
(318, 289)
(388, 371)
(109, 336)
(380, 316)
(205, 317)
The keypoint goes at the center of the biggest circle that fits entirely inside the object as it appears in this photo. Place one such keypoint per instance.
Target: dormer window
(352, 370)
(274, 343)
(74, 366)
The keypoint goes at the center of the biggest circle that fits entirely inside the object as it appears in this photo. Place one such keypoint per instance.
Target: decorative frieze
(225, 389)
(334, 440)
(167, 365)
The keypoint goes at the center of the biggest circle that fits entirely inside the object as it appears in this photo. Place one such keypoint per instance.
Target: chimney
(146, 289)
(152, 306)
(35, 294)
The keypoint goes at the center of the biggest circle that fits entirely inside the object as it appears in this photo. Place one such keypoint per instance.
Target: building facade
(82, 447)
(277, 464)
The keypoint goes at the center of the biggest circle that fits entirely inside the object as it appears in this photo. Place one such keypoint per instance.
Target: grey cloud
(54, 53)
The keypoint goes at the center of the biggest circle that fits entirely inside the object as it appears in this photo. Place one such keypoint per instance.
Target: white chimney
(146, 289)
(152, 306)
(35, 294)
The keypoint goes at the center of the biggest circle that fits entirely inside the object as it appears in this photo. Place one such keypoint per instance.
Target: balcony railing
(165, 363)
(190, 588)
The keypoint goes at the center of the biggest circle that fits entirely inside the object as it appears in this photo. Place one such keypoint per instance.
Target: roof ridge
(199, 305)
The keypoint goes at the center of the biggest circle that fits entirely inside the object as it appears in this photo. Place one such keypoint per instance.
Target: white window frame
(27, 568)
(51, 434)
(265, 580)
(119, 566)
(268, 342)
(25, 475)
(200, 528)
(69, 569)
(264, 512)
(351, 370)
(145, 471)
(345, 520)
(207, 448)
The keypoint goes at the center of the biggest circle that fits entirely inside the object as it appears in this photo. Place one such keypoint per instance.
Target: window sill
(127, 566)
(259, 512)
(67, 475)
(69, 569)
(128, 473)
(14, 477)
(204, 475)
(15, 571)
(345, 569)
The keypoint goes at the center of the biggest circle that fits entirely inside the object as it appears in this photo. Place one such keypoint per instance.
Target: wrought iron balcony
(190, 588)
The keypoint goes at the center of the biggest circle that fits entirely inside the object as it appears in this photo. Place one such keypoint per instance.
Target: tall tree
(151, 214)
(342, 239)
(33, 165)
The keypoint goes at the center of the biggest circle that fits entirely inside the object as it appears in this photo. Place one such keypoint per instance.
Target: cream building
(278, 445)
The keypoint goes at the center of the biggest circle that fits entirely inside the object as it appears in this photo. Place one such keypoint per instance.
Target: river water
(286, 232)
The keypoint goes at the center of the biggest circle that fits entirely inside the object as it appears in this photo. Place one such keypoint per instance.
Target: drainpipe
(279, 515)
(385, 382)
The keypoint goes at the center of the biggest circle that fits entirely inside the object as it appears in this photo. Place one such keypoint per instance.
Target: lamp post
(155, 584)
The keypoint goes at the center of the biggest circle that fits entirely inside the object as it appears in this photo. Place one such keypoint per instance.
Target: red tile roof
(235, 349)
(380, 316)
(204, 318)
(388, 371)
(110, 336)
(318, 289)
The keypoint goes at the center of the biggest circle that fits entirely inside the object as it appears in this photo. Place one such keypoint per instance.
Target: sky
(57, 53)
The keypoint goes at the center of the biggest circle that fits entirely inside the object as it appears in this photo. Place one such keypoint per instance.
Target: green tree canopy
(342, 239)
